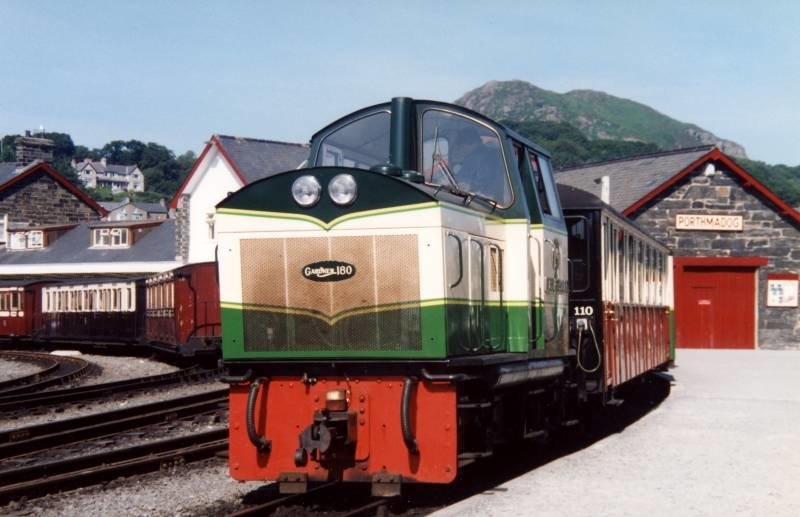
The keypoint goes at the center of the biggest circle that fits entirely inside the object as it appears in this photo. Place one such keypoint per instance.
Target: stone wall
(40, 200)
(182, 229)
(766, 233)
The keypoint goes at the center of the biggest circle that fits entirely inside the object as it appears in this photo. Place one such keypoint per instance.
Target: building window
(17, 240)
(36, 239)
(3, 228)
(110, 237)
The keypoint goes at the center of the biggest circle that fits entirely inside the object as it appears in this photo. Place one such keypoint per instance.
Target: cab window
(361, 144)
(544, 184)
(462, 153)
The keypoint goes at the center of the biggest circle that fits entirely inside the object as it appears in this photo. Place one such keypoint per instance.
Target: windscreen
(462, 153)
(360, 144)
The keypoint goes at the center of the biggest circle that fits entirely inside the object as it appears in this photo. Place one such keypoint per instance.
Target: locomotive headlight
(336, 400)
(342, 189)
(306, 191)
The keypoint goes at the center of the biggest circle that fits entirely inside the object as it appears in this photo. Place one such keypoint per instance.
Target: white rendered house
(226, 164)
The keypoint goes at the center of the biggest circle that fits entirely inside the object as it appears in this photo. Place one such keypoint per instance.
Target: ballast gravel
(202, 488)
(13, 369)
(117, 368)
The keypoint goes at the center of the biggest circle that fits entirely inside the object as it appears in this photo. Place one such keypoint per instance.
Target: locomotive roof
(455, 107)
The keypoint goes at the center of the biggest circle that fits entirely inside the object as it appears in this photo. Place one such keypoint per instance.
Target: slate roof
(7, 171)
(74, 248)
(255, 159)
(631, 179)
(151, 208)
(109, 167)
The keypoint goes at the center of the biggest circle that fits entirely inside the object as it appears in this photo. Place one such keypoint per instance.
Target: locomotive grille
(377, 309)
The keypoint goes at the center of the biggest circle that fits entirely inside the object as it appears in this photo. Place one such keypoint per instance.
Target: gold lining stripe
(331, 319)
(490, 219)
(334, 222)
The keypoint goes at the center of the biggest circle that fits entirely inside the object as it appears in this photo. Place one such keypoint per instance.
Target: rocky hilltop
(598, 115)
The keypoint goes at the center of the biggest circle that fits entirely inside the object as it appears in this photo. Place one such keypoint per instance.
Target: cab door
(548, 254)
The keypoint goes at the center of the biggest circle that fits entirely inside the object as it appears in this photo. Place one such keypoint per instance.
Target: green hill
(585, 126)
(597, 115)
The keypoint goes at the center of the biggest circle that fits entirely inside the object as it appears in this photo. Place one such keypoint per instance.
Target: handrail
(262, 444)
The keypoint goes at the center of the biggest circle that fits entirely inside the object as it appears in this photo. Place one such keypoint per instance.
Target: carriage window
(578, 253)
(362, 143)
(459, 152)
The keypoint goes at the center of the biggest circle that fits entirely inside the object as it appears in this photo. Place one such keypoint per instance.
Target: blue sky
(176, 72)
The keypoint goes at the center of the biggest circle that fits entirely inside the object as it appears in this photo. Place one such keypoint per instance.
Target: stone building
(736, 244)
(118, 178)
(37, 195)
(226, 164)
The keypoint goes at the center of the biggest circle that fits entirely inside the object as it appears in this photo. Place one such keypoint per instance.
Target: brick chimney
(30, 149)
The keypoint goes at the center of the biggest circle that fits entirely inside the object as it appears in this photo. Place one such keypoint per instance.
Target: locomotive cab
(382, 304)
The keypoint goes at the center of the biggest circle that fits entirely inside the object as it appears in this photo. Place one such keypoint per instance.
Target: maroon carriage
(20, 301)
(97, 311)
(183, 314)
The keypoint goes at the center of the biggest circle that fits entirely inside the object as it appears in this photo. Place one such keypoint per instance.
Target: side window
(362, 143)
(579, 245)
(550, 186)
(462, 153)
(545, 184)
(527, 183)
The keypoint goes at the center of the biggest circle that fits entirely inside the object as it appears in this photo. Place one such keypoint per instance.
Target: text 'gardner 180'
(400, 307)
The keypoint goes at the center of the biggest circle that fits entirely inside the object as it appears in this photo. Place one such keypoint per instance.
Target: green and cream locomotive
(398, 307)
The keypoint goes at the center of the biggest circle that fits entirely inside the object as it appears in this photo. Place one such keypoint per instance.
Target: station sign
(782, 290)
(707, 222)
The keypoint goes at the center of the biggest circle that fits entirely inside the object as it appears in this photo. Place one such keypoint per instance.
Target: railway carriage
(399, 308)
(621, 307)
(97, 311)
(182, 314)
(20, 301)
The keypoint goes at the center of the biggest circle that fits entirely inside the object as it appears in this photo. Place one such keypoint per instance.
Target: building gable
(38, 195)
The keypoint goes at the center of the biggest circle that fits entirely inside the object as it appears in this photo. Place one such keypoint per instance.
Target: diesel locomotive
(402, 306)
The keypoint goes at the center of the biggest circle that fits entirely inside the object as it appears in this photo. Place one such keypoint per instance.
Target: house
(226, 164)
(736, 244)
(37, 195)
(90, 248)
(118, 178)
(127, 210)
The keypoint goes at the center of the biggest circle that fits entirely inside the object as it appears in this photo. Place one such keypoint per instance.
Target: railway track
(23, 401)
(44, 478)
(55, 370)
(26, 440)
(328, 499)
